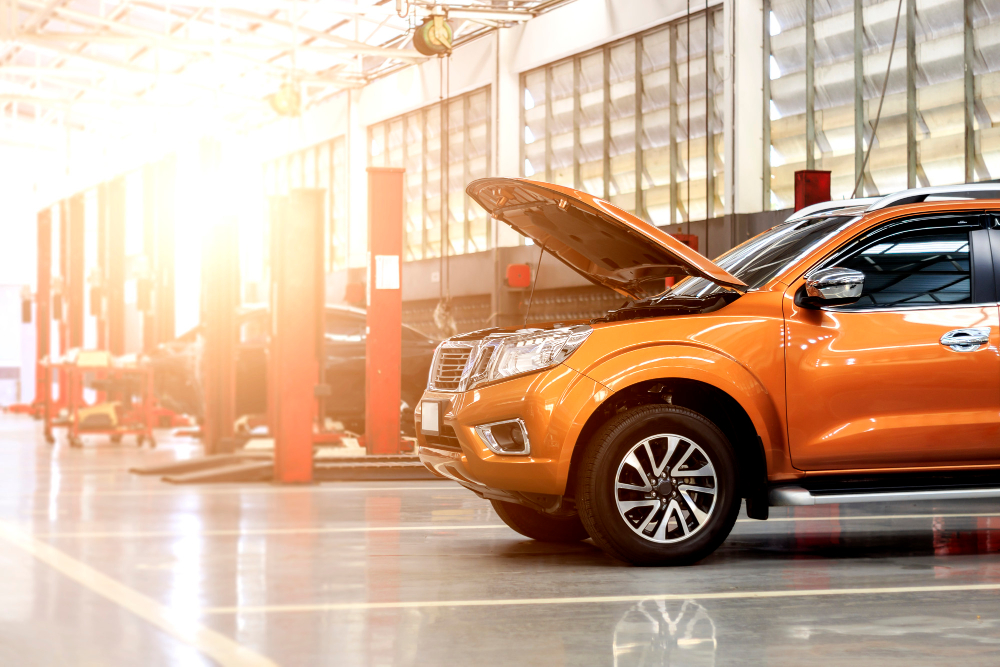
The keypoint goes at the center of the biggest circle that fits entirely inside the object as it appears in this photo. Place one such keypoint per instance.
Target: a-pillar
(384, 346)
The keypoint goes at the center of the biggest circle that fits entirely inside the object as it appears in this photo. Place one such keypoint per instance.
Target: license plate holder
(431, 417)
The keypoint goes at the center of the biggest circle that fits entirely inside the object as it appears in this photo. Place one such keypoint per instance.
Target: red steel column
(60, 306)
(115, 267)
(146, 285)
(384, 346)
(75, 286)
(296, 228)
(43, 314)
(100, 291)
(164, 241)
(220, 299)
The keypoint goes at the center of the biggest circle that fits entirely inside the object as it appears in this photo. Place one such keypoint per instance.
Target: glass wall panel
(591, 123)
(339, 215)
(321, 166)
(940, 100)
(442, 147)
(560, 126)
(986, 100)
(477, 165)
(614, 121)
(622, 139)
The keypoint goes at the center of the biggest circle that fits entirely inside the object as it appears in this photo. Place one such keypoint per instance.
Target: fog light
(507, 437)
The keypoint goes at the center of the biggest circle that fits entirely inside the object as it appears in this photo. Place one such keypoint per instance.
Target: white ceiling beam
(372, 13)
(49, 71)
(347, 46)
(66, 102)
(508, 16)
(408, 55)
(120, 66)
(203, 46)
(151, 37)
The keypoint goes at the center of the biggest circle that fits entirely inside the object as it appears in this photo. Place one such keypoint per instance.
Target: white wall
(496, 60)
(571, 29)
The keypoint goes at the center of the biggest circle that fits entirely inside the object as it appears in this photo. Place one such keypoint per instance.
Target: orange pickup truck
(849, 354)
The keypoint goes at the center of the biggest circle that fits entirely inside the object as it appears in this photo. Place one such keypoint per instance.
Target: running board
(798, 496)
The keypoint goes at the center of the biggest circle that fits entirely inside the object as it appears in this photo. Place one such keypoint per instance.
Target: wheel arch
(707, 399)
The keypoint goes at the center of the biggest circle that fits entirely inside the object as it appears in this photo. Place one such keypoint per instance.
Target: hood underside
(605, 244)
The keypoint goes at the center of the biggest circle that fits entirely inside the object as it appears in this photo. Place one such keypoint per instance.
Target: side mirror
(835, 286)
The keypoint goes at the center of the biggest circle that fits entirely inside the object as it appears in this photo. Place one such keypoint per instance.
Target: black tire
(540, 526)
(623, 532)
(407, 425)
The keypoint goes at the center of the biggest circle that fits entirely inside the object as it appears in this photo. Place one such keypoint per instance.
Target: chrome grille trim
(449, 367)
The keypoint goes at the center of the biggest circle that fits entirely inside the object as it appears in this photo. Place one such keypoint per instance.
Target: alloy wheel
(666, 488)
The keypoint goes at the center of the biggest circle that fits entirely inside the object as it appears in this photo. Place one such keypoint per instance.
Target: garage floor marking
(215, 645)
(487, 526)
(263, 490)
(730, 595)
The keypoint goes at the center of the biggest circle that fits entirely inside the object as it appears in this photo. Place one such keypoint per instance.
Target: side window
(921, 265)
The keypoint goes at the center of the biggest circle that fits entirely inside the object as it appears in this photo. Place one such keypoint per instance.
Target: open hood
(605, 244)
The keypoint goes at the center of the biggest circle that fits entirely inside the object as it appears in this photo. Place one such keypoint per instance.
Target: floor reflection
(659, 632)
(935, 535)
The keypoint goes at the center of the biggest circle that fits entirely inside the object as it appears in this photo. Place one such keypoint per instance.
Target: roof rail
(830, 207)
(939, 193)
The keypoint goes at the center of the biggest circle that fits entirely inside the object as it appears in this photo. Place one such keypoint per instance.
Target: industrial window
(442, 147)
(637, 122)
(321, 166)
(811, 79)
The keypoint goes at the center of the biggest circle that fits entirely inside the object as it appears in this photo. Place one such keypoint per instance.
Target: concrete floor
(100, 567)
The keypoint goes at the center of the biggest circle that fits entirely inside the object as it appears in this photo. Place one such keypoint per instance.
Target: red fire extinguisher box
(518, 275)
(811, 187)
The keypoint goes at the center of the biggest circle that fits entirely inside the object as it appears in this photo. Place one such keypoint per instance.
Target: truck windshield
(764, 256)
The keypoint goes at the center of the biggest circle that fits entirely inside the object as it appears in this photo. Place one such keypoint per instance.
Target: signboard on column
(384, 342)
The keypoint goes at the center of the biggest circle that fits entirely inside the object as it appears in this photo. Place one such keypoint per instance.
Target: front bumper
(554, 405)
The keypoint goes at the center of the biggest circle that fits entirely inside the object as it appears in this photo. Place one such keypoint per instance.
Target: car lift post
(99, 294)
(43, 315)
(293, 369)
(73, 279)
(384, 343)
(61, 305)
(114, 266)
(166, 194)
(158, 247)
(220, 299)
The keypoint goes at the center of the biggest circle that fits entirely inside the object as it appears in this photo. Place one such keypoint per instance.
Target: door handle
(966, 340)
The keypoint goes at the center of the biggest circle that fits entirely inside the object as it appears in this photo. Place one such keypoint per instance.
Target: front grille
(449, 366)
(447, 439)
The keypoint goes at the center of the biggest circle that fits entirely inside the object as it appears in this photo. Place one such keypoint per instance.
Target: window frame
(419, 228)
(984, 253)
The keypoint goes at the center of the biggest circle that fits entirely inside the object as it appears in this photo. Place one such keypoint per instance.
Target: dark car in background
(177, 374)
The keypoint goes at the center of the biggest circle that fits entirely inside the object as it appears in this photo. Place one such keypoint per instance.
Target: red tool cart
(127, 408)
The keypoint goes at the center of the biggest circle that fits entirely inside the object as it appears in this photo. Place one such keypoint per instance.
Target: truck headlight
(505, 356)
